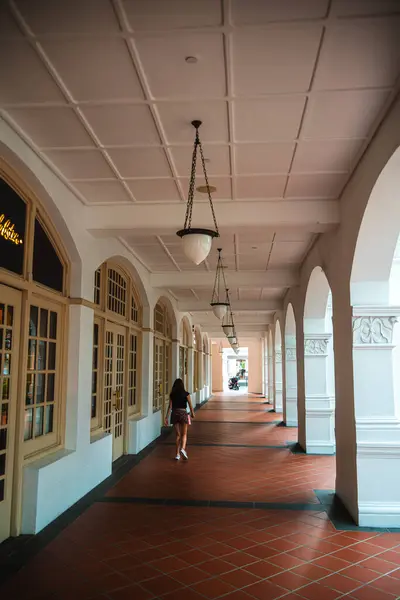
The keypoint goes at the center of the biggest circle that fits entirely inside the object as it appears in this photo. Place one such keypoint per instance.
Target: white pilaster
(377, 416)
(271, 372)
(278, 382)
(320, 405)
(291, 381)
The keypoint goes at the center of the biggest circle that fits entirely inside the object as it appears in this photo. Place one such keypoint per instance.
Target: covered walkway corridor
(246, 517)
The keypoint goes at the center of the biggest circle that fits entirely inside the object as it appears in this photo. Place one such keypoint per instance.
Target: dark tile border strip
(16, 552)
(242, 422)
(316, 506)
(215, 445)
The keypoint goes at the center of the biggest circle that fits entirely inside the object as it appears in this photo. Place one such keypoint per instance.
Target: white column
(320, 406)
(271, 372)
(190, 371)
(291, 381)
(174, 360)
(200, 393)
(377, 417)
(278, 382)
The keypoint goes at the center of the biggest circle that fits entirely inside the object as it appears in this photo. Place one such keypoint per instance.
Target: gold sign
(7, 231)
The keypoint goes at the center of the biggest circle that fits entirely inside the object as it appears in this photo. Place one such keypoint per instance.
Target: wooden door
(10, 323)
(158, 373)
(114, 386)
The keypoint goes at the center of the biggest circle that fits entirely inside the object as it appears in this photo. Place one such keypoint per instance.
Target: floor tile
(161, 585)
(190, 575)
(130, 592)
(239, 578)
(265, 590)
(213, 588)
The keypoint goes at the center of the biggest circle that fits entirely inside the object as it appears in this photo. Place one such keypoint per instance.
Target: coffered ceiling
(289, 92)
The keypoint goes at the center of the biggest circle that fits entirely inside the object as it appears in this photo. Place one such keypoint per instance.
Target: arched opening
(205, 362)
(271, 369)
(375, 286)
(319, 366)
(117, 343)
(184, 345)
(197, 363)
(34, 290)
(278, 402)
(290, 408)
(162, 357)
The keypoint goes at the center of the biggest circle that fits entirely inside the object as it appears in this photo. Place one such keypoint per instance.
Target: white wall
(255, 366)
(217, 373)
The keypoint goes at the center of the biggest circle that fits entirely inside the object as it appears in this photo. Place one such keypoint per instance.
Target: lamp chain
(189, 208)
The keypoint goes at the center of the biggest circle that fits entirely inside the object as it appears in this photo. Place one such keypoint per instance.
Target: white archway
(374, 285)
(290, 413)
(319, 366)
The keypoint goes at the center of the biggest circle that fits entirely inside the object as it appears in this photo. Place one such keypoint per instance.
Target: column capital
(374, 325)
(278, 357)
(316, 344)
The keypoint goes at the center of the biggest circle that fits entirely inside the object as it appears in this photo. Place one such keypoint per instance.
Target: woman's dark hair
(177, 388)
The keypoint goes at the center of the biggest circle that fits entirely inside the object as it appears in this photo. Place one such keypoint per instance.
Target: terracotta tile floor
(124, 550)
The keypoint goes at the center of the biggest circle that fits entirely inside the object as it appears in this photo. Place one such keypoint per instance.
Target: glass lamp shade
(232, 339)
(219, 309)
(228, 330)
(197, 243)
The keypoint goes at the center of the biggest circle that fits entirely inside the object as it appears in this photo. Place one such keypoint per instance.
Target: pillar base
(320, 425)
(320, 448)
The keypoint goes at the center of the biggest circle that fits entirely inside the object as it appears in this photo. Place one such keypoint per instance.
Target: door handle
(117, 396)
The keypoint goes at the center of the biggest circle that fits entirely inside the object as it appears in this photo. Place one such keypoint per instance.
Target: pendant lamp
(218, 303)
(228, 326)
(196, 240)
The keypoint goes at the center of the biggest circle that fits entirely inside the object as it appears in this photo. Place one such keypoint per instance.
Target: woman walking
(179, 399)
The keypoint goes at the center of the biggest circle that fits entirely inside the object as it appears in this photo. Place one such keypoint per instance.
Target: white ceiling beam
(242, 332)
(317, 215)
(197, 278)
(261, 306)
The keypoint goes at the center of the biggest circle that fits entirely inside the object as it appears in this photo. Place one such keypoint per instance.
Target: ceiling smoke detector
(191, 60)
(203, 189)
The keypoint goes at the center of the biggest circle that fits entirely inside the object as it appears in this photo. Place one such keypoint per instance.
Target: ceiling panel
(103, 192)
(8, 25)
(327, 155)
(176, 119)
(254, 236)
(74, 16)
(347, 114)
(273, 119)
(159, 14)
(285, 57)
(318, 185)
(292, 235)
(250, 293)
(52, 127)
(81, 164)
(370, 50)
(15, 86)
(344, 8)
(263, 158)
(254, 12)
(271, 186)
(140, 162)
(272, 293)
(218, 160)
(288, 252)
(122, 124)
(78, 62)
(154, 190)
(169, 75)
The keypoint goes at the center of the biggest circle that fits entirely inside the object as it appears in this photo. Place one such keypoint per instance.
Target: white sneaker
(184, 454)
(177, 457)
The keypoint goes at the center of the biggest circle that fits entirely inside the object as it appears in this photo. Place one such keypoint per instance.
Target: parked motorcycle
(233, 383)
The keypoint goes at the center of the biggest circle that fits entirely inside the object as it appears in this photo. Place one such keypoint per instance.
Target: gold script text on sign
(7, 231)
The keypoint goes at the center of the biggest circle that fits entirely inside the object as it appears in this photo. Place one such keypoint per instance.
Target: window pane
(47, 267)
(39, 421)
(4, 415)
(33, 321)
(3, 439)
(50, 387)
(44, 314)
(49, 419)
(2, 464)
(28, 424)
(30, 388)
(31, 355)
(12, 229)
(40, 388)
(52, 356)
(42, 355)
(53, 326)
(1, 490)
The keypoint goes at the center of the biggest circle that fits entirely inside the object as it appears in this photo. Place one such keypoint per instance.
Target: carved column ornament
(291, 353)
(373, 330)
(278, 357)
(374, 325)
(316, 344)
